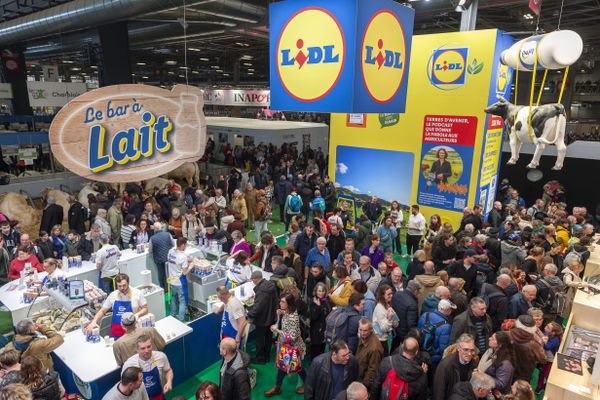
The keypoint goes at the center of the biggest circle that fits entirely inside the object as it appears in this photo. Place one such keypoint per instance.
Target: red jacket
(16, 266)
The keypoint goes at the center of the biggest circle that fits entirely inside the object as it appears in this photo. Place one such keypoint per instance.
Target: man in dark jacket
(76, 216)
(475, 322)
(496, 216)
(521, 302)
(465, 269)
(11, 237)
(52, 215)
(329, 194)
(235, 382)
(395, 279)
(406, 368)
(444, 253)
(372, 210)
(90, 243)
(336, 241)
(160, 244)
(478, 387)
(454, 368)
(263, 315)
(283, 188)
(406, 306)
(305, 241)
(330, 373)
(497, 300)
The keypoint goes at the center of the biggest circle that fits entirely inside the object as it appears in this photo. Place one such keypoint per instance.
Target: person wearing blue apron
(155, 367)
(233, 310)
(178, 267)
(124, 299)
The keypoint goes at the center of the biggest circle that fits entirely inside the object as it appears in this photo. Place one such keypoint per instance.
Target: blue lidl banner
(491, 150)
(340, 55)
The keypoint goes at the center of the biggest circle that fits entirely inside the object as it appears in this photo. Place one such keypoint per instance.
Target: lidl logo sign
(449, 66)
(383, 56)
(310, 61)
(342, 56)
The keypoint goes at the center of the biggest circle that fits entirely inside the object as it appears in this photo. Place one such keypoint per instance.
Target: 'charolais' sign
(128, 133)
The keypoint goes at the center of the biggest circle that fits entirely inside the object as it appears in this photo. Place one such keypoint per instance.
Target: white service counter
(91, 361)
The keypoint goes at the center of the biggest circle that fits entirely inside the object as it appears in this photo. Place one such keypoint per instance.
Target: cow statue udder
(548, 123)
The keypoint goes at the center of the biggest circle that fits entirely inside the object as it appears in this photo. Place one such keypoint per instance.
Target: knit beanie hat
(527, 323)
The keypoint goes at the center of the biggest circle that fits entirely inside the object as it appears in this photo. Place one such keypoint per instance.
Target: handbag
(287, 358)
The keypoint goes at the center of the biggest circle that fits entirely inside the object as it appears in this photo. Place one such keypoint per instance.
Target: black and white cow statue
(548, 123)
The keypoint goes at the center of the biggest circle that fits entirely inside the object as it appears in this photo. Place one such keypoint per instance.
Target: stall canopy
(242, 131)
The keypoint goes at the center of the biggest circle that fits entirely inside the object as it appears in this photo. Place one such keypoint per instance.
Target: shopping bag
(288, 358)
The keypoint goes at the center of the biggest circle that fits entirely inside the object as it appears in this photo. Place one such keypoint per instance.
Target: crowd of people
(337, 308)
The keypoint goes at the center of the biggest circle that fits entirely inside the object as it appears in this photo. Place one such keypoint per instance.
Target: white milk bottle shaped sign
(555, 50)
(190, 123)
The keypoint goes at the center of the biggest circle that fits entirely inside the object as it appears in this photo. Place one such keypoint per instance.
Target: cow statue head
(499, 108)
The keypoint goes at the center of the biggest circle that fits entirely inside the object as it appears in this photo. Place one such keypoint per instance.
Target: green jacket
(4, 265)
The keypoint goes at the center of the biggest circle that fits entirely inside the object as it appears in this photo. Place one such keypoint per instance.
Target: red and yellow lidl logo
(383, 56)
(310, 60)
(448, 67)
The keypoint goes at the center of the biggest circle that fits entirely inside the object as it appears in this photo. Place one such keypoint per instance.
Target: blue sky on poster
(387, 174)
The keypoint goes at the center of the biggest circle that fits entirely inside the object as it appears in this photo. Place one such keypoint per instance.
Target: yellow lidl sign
(383, 56)
(310, 62)
(340, 55)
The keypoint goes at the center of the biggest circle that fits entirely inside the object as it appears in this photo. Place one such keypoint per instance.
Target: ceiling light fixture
(193, 49)
(203, 59)
(171, 62)
(141, 64)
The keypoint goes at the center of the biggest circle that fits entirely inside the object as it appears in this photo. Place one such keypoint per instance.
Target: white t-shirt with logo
(134, 295)
(235, 309)
(108, 256)
(158, 359)
(177, 261)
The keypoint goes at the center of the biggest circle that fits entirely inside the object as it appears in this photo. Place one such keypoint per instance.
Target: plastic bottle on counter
(219, 248)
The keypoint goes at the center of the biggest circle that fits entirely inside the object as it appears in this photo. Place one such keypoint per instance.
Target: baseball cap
(128, 319)
(470, 253)
(446, 304)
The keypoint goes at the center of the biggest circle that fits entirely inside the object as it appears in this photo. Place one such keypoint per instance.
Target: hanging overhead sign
(230, 97)
(128, 133)
(355, 62)
(53, 94)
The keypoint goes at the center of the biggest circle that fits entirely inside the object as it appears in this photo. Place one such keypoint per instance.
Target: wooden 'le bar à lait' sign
(127, 133)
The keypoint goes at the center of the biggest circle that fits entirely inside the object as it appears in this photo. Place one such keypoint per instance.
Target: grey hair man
(462, 361)
(28, 342)
(479, 387)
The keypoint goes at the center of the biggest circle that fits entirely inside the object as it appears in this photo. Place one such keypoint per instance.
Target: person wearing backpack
(550, 293)
(436, 328)
(292, 207)
(496, 299)
(400, 376)
(342, 322)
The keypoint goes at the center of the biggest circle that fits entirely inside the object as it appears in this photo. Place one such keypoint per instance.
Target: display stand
(564, 385)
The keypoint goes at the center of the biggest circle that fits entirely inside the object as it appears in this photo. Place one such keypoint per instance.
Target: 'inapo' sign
(340, 55)
(127, 133)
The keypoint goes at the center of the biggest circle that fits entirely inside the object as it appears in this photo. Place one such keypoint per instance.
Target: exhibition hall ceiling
(227, 40)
